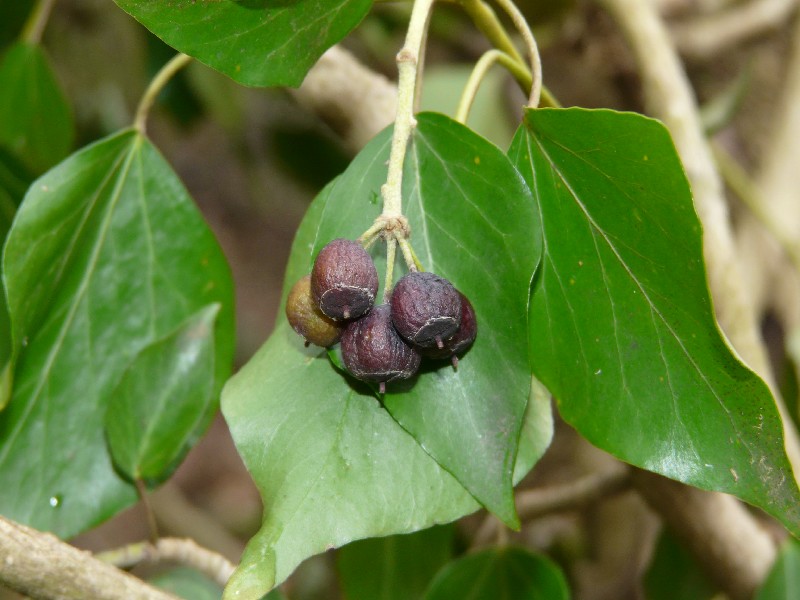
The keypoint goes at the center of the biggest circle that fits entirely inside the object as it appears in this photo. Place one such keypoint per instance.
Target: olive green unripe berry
(344, 280)
(307, 319)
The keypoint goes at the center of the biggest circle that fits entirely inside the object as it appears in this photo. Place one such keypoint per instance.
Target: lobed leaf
(162, 399)
(331, 463)
(107, 255)
(255, 42)
(622, 329)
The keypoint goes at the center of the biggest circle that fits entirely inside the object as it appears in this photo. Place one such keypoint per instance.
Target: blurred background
(254, 159)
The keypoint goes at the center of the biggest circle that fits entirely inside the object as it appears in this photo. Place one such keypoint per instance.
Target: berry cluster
(425, 316)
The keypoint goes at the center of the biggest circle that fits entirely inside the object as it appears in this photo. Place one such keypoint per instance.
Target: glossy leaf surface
(107, 255)
(35, 119)
(397, 567)
(331, 463)
(621, 323)
(503, 573)
(255, 42)
(148, 427)
(783, 581)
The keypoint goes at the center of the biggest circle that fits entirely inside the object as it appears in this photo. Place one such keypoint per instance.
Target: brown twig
(705, 37)
(354, 101)
(43, 567)
(181, 551)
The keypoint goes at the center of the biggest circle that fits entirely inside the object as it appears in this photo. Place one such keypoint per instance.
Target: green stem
(483, 65)
(486, 20)
(533, 49)
(391, 247)
(141, 490)
(158, 83)
(412, 262)
(34, 27)
(548, 99)
(407, 60)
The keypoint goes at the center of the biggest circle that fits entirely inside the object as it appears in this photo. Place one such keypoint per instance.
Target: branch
(355, 102)
(719, 531)
(41, 566)
(573, 495)
(181, 551)
(705, 37)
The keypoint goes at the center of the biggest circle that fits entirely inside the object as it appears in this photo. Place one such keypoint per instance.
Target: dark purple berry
(344, 280)
(426, 309)
(372, 350)
(463, 338)
(306, 318)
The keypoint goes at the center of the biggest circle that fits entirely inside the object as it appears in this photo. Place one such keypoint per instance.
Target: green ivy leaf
(398, 567)
(255, 42)
(163, 399)
(622, 330)
(14, 181)
(187, 583)
(783, 581)
(330, 462)
(107, 255)
(35, 119)
(505, 573)
(673, 573)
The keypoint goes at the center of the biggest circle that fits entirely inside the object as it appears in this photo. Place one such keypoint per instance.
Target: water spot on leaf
(55, 501)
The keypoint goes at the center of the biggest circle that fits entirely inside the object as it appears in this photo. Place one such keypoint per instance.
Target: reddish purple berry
(372, 350)
(463, 338)
(344, 280)
(426, 309)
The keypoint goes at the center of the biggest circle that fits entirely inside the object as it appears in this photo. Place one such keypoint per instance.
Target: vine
(391, 224)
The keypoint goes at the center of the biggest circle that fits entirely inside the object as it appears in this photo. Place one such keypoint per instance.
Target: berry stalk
(407, 62)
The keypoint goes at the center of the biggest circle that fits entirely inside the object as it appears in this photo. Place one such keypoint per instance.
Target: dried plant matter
(426, 309)
(373, 351)
(344, 280)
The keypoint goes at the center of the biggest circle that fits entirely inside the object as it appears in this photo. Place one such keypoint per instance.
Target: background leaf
(622, 328)
(35, 119)
(107, 254)
(504, 573)
(162, 399)
(397, 567)
(186, 583)
(12, 18)
(331, 464)
(783, 581)
(14, 180)
(255, 42)
(673, 573)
